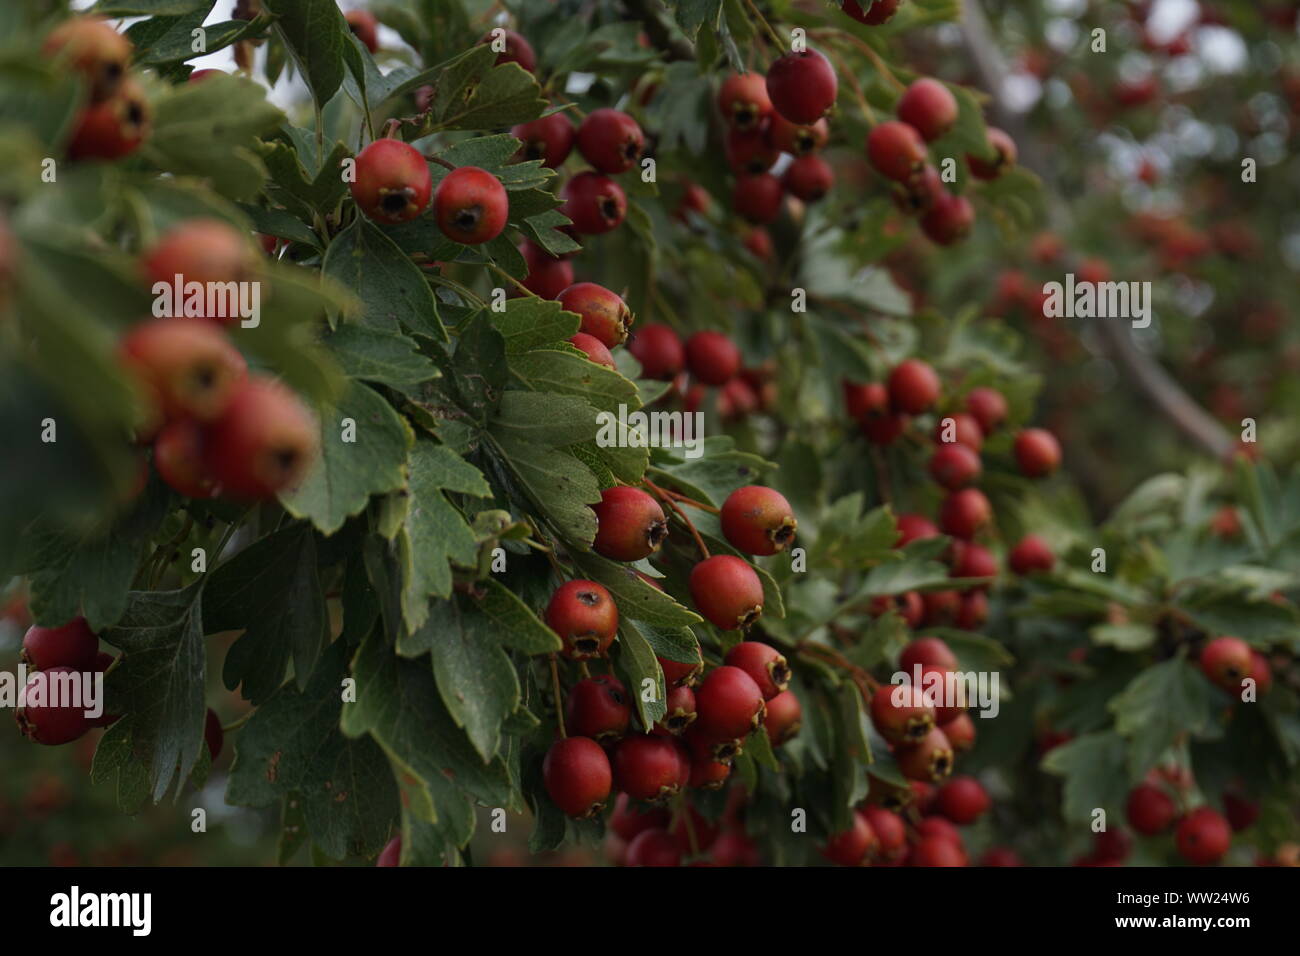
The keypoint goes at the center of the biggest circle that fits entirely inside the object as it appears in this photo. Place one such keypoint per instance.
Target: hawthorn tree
(383, 445)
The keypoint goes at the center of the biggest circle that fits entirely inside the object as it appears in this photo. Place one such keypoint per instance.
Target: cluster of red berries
(117, 117)
(1228, 661)
(706, 360)
(214, 428)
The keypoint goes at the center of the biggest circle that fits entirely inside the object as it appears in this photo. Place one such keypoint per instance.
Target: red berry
(937, 826)
(960, 732)
(941, 607)
(610, 140)
(920, 191)
(959, 428)
(597, 707)
(729, 704)
(1004, 156)
(758, 520)
(913, 386)
(937, 851)
(851, 847)
(594, 349)
(988, 407)
(593, 203)
(727, 592)
(1203, 836)
(949, 219)
(585, 617)
(743, 100)
(879, 12)
(471, 205)
(974, 611)
(1001, 856)
(679, 714)
(647, 767)
(972, 560)
(802, 86)
(52, 712)
(748, 151)
(365, 27)
(653, 848)
(263, 443)
(796, 139)
(890, 831)
(512, 48)
(186, 366)
(628, 820)
(201, 250)
(72, 645)
(928, 107)
(1241, 813)
(1227, 661)
(927, 651)
(757, 199)
(765, 665)
(900, 713)
(962, 800)
(896, 150)
(1150, 810)
(695, 198)
(1037, 452)
(577, 776)
(954, 466)
(213, 734)
(759, 243)
(885, 428)
(113, 128)
(964, 513)
(679, 674)
(784, 718)
(929, 759)
(808, 178)
(178, 457)
(548, 138)
(913, 527)
(1030, 555)
(712, 358)
(391, 854)
(548, 275)
(660, 351)
(604, 314)
(392, 181)
(1261, 672)
(630, 524)
(707, 773)
(91, 47)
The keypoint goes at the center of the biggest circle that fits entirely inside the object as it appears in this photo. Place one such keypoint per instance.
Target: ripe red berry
(936, 851)
(695, 199)
(610, 140)
(1037, 452)
(72, 645)
(757, 199)
(597, 707)
(628, 819)
(201, 250)
(794, 138)
(712, 358)
(729, 704)
(765, 665)
(186, 366)
(749, 152)
(927, 650)
(964, 513)
(743, 100)
(113, 128)
(960, 732)
(1203, 836)
(92, 48)
(962, 800)
(391, 854)
(900, 713)
(471, 205)
(263, 443)
(213, 734)
(511, 47)
(594, 349)
(919, 192)
(604, 314)
(802, 86)
(988, 407)
(1261, 672)
(941, 607)
(949, 219)
(784, 717)
(1150, 810)
(928, 107)
(679, 674)
(1226, 661)
(707, 773)
(647, 767)
(577, 776)
(913, 386)
(548, 138)
(653, 848)
(896, 150)
(971, 560)
(954, 466)
(913, 527)
(879, 12)
(1241, 812)
(1030, 555)
(392, 181)
(585, 617)
(593, 203)
(50, 714)
(959, 428)
(973, 612)
(1004, 156)
(930, 759)
(548, 275)
(758, 520)
(808, 178)
(890, 831)
(679, 713)
(1001, 856)
(630, 524)
(759, 243)
(365, 27)
(660, 351)
(727, 592)
(178, 457)
(852, 847)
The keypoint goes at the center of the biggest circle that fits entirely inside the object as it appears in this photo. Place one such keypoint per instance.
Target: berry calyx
(784, 718)
(471, 205)
(679, 713)
(901, 714)
(604, 314)
(913, 386)
(794, 138)
(679, 674)
(758, 520)
(962, 800)
(729, 704)
(1031, 554)
(630, 524)
(964, 513)
(178, 458)
(743, 100)
(585, 617)
(765, 665)
(1037, 452)
(727, 592)
(577, 776)
(263, 443)
(929, 760)
(1203, 836)
(659, 349)
(597, 707)
(113, 128)
(647, 767)
(186, 366)
(51, 714)
(1003, 148)
(712, 358)
(757, 199)
(1227, 661)
(896, 150)
(988, 407)
(1150, 810)
(851, 847)
(392, 181)
(94, 49)
(808, 178)
(954, 466)
(593, 203)
(73, 645)
(749, 152)
(548, 275)
(950, 218)
(802, 86)
(653, 848)
(547, 138)
(610, 140)
(928, 107)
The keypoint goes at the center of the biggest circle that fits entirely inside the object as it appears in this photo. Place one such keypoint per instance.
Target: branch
(656, 19)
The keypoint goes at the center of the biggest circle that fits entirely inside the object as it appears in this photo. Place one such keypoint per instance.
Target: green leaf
(472, 93)
(517, 626)
(532, 323)
(380, 355)
(1124, 637)
(315, 33)
(636, 659)
(636, 599)
(1095, 774)
(1161, 704)
(392, 289)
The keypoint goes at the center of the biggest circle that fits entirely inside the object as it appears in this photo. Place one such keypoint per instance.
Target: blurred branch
(656, 19)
